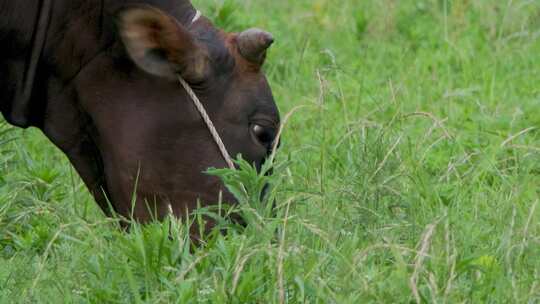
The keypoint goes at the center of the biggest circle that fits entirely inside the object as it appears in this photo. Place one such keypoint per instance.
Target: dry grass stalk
(422, 253)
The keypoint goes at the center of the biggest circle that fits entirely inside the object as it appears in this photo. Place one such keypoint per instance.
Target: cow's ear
(160, 45)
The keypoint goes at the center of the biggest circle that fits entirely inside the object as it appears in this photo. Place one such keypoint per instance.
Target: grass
(410, 174)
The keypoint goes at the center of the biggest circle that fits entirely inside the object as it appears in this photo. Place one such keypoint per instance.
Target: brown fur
(118, 123)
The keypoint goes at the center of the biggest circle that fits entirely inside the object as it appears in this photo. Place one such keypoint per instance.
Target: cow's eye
(265, 135)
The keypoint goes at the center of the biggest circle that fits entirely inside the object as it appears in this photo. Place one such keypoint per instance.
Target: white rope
(208, 123)
(196, 17)
(198, 104)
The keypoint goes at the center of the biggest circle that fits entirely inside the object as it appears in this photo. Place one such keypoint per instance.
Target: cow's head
(149, 135)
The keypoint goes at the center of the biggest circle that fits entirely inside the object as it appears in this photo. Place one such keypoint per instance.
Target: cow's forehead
(215, 42)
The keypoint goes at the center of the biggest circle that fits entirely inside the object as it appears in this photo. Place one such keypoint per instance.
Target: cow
(100, 79)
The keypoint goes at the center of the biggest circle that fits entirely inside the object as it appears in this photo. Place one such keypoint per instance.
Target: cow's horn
(253, 44)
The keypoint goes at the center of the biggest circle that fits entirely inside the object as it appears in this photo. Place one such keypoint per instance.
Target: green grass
(411, 173)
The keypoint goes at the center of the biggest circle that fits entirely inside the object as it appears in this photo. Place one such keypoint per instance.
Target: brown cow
(98, 77)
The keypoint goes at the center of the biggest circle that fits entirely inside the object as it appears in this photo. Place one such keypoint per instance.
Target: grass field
(409, 173)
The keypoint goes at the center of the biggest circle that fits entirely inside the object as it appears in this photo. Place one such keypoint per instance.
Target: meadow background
(410, 173)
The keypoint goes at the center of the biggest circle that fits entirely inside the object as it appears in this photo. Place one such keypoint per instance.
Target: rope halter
(209, 124)
(202, 111)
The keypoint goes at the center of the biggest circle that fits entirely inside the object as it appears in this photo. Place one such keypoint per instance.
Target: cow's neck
(23, 32)
(73, 35)
(84, 29)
